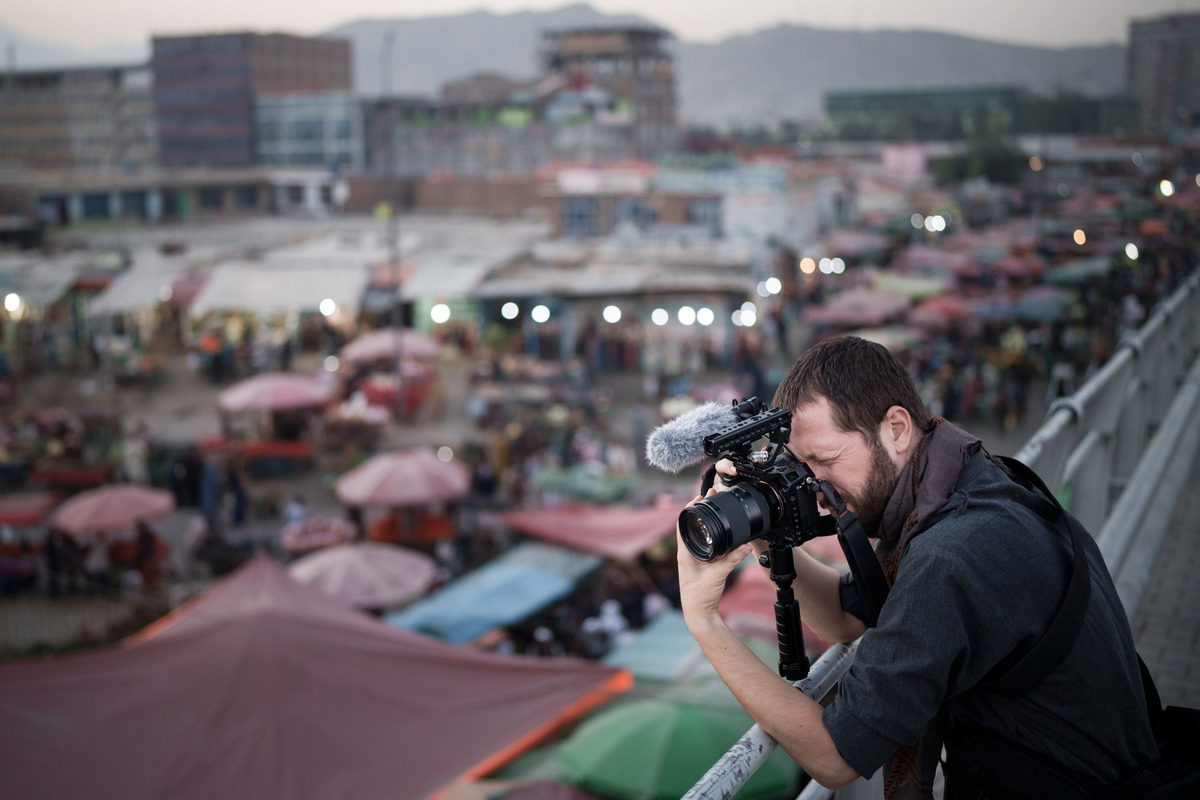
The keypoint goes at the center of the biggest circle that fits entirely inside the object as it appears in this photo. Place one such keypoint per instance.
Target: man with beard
(976, 571)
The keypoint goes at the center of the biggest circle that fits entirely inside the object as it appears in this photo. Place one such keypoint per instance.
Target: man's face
(862, 471)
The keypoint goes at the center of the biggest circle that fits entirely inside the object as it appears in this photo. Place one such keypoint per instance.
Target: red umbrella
(389, 343)
(26, 508)
(273, 391)
(112, 508)
(402, 478)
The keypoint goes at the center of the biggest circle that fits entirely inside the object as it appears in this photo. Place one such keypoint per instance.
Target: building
(310, 131)
(605, 95)
(96, 119)
(206, 88)
(633, 66)
(67, 197)
(1163, 72)
(950, 114)
(422, 137)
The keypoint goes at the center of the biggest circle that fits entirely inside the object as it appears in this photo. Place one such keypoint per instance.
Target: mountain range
(778, 72)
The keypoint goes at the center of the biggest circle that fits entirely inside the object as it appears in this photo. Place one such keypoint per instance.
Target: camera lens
(725, 521)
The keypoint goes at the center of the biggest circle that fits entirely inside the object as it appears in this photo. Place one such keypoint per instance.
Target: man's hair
(860, 379)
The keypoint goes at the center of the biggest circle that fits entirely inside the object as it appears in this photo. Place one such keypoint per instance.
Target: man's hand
(701, 583)
(792, 718)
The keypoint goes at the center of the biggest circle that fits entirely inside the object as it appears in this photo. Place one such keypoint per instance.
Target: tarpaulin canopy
(661, 651)
(620, 532)
(505, 591)
(263, 687)
(133, 290)
(270, 290)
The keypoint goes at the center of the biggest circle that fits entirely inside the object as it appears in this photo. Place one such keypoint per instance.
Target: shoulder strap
(860, 556)
(1054, 644)
(864, 565)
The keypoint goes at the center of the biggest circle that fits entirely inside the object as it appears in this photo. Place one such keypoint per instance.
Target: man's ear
(896, 432)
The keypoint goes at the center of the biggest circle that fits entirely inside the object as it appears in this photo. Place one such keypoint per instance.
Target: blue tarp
(506, 591)
(660, 651)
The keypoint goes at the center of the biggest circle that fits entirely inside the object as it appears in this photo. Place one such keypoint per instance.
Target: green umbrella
(658, 749)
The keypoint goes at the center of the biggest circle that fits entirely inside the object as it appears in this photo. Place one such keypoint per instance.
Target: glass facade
(310, 131)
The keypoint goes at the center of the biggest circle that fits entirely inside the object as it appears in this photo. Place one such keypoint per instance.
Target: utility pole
(385, 87)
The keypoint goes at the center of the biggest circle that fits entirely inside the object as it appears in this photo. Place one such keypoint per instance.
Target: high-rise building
(93, 119)
(206, 87)
(633, 65)
(1163, 72)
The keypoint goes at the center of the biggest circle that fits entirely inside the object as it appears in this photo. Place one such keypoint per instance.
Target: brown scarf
(925, 486)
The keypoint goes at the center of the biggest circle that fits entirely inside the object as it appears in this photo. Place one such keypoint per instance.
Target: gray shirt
(985, 578)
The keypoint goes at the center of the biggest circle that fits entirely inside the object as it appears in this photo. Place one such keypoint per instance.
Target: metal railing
(1118, 452)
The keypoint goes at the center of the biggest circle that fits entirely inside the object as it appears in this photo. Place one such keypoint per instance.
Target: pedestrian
(236, 483)
(976, 572)
(146, 560)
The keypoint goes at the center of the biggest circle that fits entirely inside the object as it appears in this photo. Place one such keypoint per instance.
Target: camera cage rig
(735, 441)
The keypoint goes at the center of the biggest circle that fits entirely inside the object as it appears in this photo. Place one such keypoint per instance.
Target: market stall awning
(505, 591)
(239, 286)
(262, 687)
(26, 508)
(620, 532)
(132, 291)
(41, 282)
(664, 650)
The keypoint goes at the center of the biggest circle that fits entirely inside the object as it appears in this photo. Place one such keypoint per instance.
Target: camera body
(773, 496)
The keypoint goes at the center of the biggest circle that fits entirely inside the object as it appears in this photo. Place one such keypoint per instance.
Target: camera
(772, 497)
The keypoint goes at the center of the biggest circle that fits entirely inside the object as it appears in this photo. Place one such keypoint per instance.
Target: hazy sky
(1043, 22)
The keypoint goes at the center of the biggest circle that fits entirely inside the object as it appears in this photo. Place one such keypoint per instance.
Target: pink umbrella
(940, 311)
(273, 391)
(368, 574)
(314, 533)
(389, 343)
(112, 508)
(402, 478)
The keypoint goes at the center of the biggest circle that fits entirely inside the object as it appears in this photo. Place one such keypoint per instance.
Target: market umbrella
(112, 508)
(315, 532)
(402, 478)
(940, 312)
(272, 391)
(543, 789)
(368, 574)
(1044, 304)
(389, 343)
(657, 749)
